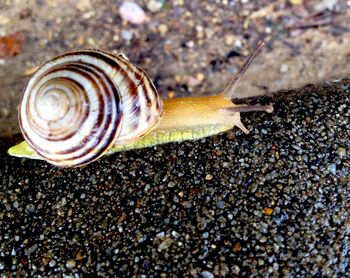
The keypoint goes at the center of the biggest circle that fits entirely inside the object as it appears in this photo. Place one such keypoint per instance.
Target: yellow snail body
(84, 104)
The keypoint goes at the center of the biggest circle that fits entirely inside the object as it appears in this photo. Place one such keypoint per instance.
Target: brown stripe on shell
(144, 81)
(100, 119)
(64, 135)
(133, 84)
(97, 124)
(92, 150)
(37, 126)
(69, 135)
(77, 70)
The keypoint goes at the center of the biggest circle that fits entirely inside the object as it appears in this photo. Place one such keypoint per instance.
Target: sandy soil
(187, 47)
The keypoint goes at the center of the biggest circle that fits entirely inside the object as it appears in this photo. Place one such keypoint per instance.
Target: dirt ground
(187, 47)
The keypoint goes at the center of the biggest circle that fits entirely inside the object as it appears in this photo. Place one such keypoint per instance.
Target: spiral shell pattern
(78, 105)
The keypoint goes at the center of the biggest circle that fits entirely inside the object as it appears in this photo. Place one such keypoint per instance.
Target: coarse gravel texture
(271, 203)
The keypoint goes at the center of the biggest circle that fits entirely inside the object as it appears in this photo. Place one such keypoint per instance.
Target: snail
(87, 103)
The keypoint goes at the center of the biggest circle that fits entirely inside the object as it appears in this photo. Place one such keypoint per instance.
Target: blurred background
(188, 47)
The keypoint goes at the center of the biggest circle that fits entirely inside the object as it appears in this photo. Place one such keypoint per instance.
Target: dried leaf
(11, 45)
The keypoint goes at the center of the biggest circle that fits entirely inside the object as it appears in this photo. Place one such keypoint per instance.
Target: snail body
(84, 104)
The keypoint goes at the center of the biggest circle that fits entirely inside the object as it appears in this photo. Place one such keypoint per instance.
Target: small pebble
(31, 249)
(30, 208)
(4, 20)
(4, 112)
(220, 204)
(70, 264)
(236, 270)
(229, 39)
(237, 247)
(193, 81)
(296, 2)
(268, 211)
(205, 235)
(190, 44)
(238, 43)
(132, 13)
(38, 195)
(341, 152)
(127, 35)
(155, 5)
(171, 94)
(333, 168)
(165, 244)
(207, 274)
(84, 5)
(163, 29)
(284, 68)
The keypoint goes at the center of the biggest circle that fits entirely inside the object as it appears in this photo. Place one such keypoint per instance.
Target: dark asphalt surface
(271, 203)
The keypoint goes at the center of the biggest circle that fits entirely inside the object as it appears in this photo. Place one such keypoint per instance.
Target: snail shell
(78, 105)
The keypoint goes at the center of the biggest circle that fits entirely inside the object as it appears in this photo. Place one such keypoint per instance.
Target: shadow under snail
(84, 104)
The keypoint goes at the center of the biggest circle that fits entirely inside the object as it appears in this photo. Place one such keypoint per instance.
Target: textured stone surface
(274, 202)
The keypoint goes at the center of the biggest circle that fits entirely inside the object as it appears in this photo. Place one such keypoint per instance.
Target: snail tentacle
(229, 92)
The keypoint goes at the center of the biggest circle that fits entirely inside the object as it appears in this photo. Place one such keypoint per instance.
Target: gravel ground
(188, 47)
(271, 203)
